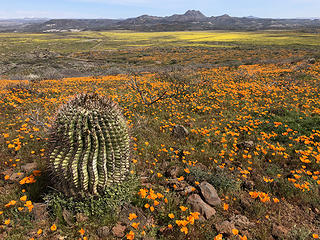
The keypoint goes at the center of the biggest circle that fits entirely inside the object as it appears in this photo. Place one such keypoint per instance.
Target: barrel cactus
(89, 146)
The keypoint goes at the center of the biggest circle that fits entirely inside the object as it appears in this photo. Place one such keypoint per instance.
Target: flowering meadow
(254, 134)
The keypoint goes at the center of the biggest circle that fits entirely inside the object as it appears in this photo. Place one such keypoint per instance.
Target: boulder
(198, 205)
(209, 194)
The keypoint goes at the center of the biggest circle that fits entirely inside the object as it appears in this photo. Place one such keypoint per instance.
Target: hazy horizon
(121, 9)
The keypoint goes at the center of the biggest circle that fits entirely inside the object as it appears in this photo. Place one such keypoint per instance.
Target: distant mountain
(253, 17)
(58, 25)
(20, 23)
(190, 20)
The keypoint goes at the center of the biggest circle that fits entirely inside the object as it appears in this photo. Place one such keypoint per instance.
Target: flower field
(254, 134)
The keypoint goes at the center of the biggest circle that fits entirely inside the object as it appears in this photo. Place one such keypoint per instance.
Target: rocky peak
(225, 16)
(190, 15)
(195, 14)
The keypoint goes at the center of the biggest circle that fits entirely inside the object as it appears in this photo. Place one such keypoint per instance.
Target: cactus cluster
(89, 146)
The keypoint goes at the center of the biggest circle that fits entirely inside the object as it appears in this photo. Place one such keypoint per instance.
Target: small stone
(198, 205)
(103, 232)
(118, 230)
(126, 209)
(247, 184)
(312, 61)
(279, 231)
(15, 177)
(55, 236)
(3, 235)
(245, 144)
(210, 194)
(191, 178)
(7, 172)
(144, 179)
(225, 227)
(179, 131)
(81, 217)
(67, 216)
(40, 211)
(29, 167)
(202, 167)
(241, 222)
(146, 184)
(173, 171)
(177, 185)
(187, 190)
(246, 203)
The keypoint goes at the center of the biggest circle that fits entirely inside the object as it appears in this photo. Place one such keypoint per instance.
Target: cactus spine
(89, 146)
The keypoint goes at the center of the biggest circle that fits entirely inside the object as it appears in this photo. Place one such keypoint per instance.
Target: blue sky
(133, 8)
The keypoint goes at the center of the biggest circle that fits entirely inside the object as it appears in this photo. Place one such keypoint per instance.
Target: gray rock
(179, 131)
(198, 205)
(209, 194)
